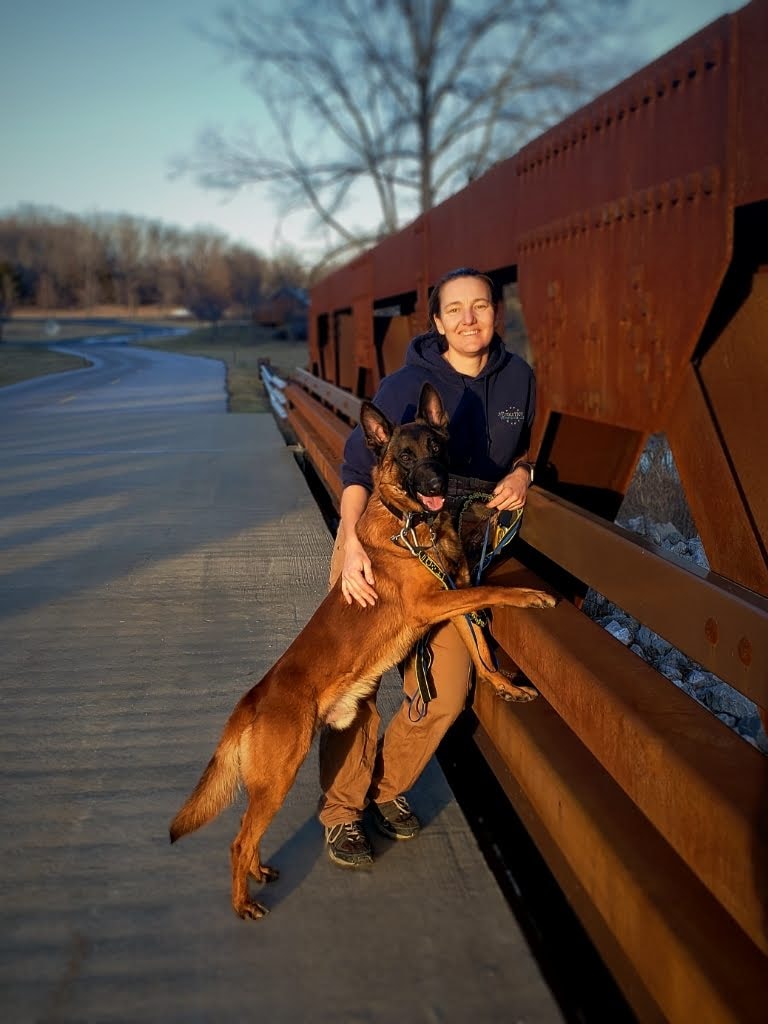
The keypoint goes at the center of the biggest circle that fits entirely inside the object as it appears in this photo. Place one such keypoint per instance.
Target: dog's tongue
(432, 502)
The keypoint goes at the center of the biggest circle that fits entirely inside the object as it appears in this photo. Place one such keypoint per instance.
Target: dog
(338, 657)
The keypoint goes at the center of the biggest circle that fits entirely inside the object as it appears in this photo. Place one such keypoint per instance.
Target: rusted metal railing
(635, 233)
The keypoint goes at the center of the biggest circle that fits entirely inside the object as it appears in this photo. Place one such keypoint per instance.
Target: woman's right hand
(357, 580)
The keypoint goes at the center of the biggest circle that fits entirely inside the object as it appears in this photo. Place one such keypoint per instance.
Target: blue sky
(98, 96)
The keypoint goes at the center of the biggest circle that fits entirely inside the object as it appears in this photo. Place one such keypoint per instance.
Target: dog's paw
(539, 599)
(519, 693)
(523, 695)
(264, 873)
(251, 910)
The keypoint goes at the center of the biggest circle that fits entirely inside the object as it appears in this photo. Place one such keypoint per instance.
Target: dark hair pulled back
(433, 304)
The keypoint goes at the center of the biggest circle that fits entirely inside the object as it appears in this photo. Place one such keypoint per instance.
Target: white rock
(621, 632)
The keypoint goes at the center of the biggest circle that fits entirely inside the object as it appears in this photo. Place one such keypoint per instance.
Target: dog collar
(411, 519)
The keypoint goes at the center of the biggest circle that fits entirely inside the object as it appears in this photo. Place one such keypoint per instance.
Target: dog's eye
(434, 446)
(406, 457)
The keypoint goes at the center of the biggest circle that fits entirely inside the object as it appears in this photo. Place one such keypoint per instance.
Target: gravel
(722, 700)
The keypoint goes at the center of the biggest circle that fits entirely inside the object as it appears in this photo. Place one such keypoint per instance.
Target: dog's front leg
(482, 658)
(455, 604)
(447, 604)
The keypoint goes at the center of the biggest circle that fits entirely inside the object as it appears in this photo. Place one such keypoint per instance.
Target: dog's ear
(376, 426)
(431, 408)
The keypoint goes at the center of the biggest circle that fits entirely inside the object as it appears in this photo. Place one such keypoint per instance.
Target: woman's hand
(512, 490)
(357, 580)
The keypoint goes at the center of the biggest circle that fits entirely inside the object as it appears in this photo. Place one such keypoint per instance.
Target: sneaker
(395, 819)
(348, 845)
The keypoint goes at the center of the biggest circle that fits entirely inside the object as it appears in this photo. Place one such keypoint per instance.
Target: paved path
(153, 563)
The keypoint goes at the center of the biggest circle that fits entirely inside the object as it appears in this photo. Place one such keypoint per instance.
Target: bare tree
(207, 290)
(246, 274)
(8, 293)
(55, 260)
(381, 109)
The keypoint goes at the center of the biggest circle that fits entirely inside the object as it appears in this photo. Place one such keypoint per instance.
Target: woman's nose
(468, 315)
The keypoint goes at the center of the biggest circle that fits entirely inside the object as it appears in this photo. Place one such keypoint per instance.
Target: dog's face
(413, 463)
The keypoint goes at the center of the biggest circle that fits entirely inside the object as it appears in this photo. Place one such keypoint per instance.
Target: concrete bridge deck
(151, 567)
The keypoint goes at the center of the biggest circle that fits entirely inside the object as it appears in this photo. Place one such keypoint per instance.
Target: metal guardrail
(275, 388)
(636, 234)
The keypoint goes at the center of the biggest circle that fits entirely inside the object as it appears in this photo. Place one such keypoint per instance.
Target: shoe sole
(363, 862)
(394, 835)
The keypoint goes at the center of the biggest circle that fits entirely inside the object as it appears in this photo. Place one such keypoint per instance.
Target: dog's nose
(431, 478)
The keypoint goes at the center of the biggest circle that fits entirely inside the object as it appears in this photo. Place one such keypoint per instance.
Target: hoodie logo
(512, 415)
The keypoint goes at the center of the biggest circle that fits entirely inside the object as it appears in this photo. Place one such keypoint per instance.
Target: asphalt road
(122, 379)
(157, 554)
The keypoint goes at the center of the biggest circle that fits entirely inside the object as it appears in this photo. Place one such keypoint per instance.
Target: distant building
(286, 309)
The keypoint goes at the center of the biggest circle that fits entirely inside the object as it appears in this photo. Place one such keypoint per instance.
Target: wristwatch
(525, 465)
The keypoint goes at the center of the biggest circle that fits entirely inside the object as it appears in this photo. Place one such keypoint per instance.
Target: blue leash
(505, 529)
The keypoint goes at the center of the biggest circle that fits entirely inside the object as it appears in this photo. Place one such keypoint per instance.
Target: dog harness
(497, 537)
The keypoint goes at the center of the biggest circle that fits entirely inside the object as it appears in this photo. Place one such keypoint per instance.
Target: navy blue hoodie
(490, 416)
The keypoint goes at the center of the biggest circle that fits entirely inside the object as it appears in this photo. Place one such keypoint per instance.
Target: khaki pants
(355, 766)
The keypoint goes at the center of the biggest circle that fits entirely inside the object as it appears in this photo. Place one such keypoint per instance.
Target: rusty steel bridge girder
(636, 232)
(595, 220)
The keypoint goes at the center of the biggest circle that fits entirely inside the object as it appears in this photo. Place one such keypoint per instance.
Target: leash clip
(407, 537)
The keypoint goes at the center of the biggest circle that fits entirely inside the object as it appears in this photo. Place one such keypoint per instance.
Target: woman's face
(467, 318)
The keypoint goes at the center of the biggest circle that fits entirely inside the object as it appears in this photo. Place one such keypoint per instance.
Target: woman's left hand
(512, 490)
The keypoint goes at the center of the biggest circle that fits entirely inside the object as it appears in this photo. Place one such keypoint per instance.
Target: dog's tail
(218, 784)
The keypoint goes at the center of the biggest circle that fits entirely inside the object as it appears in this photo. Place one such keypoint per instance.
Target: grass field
(25, 354)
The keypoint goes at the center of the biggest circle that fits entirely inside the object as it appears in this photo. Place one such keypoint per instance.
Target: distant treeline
(55, 261)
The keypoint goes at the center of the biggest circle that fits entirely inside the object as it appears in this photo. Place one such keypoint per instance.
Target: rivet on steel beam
(711, 631)
(711, 181)
(745, 652)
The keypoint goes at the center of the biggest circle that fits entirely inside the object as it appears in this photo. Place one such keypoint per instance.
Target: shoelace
(402, 805)
(350, 828)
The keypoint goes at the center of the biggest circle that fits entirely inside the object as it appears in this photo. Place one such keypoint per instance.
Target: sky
(100, 96)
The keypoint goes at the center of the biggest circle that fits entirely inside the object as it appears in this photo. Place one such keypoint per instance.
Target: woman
(489, 395)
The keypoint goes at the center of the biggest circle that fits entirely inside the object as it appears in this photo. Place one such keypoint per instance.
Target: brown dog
(339, 656)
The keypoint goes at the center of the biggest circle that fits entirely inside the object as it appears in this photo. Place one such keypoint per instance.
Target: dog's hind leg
(272, 751)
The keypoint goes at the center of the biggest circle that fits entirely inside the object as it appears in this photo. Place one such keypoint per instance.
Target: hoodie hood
(427, 351)
(489, 416)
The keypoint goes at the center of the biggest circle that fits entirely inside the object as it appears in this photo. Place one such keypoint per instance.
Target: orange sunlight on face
(467, 317)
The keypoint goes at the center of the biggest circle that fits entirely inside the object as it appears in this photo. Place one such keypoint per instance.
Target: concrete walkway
(152, 566)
